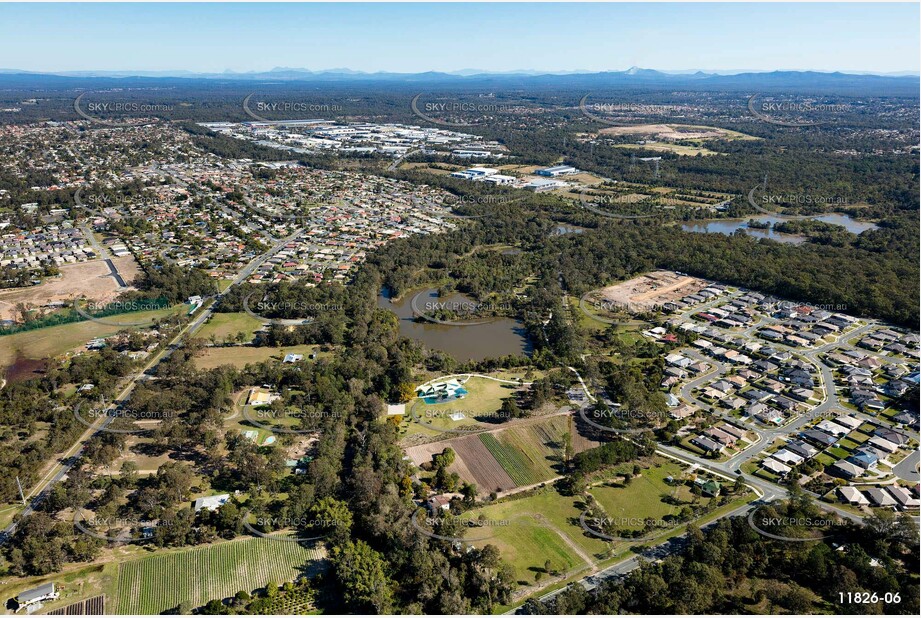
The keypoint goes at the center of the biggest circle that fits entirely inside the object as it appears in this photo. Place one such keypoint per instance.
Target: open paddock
(56, 340)
(240, 356)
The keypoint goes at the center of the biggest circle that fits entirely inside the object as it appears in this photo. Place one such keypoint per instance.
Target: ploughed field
(501, 460)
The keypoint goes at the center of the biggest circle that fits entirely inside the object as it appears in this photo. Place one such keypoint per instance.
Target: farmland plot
(161, 582)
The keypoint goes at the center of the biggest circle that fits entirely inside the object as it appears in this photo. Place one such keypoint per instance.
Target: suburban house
(212, 503)
(844, 469)
(788, 457)
(708, 445)
(806, 451)
(682, 412)
(708, 487)
(733, 431)
(261, 397)
(903, 497)
(817, 437)
(848, 421)
(720, 436)
(883, 444)
(865, 459)
(880, 498)
(772, 465)
(891, 435)
(852, 495)
(833, 428)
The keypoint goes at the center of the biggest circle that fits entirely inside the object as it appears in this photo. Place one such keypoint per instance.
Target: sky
(415, 37)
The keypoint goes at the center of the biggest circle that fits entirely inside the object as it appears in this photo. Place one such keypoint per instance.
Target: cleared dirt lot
(676, 132)
(127, 267)
(91, 279)
(651, 290)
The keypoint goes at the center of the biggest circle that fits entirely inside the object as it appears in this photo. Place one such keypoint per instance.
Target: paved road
(907, 469)
(102, 253)
(673, 545)
(731, 468)
(59, 471)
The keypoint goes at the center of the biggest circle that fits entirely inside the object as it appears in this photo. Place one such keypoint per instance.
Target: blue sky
(444, 37)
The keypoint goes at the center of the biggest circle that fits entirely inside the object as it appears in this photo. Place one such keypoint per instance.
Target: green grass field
(526, 542)
(527, 545)
(642, 498)
(161, 582)
(223, 325)
(560, 511)
(629, 333)
(54, 340)
(240, 356)
(484, 397)
(848, 444)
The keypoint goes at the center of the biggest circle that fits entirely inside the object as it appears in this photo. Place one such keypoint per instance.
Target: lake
(728, 226)
(497, 337)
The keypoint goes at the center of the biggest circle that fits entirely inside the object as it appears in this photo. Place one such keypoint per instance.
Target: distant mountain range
(903, 84)
(300, 73)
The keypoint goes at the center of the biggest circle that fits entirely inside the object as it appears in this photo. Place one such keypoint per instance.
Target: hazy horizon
(497, 38)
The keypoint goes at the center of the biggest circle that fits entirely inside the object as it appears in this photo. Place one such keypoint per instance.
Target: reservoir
(493, 338)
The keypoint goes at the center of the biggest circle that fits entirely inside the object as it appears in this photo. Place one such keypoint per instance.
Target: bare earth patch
(473, 462)
(676, 132)
(91, 279)
(651, 290)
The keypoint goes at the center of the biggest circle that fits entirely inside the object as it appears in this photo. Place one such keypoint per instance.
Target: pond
(564, 228)
(489, 338)
(729, 226)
